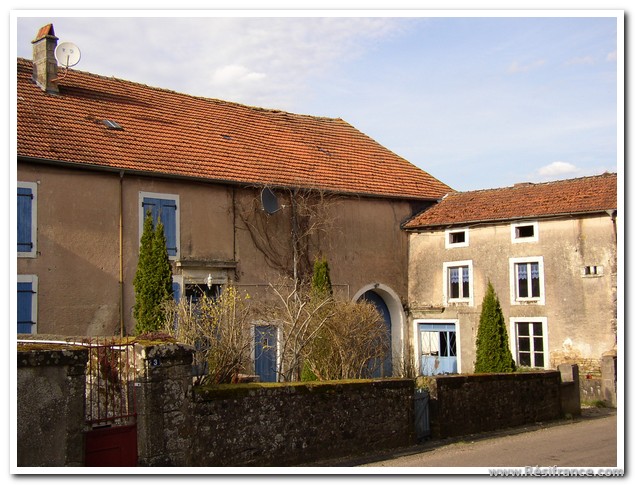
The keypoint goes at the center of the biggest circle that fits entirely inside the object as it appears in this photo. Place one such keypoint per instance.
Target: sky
(478, 100)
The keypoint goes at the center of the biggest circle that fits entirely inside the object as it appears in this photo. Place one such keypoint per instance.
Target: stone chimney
(44, 62)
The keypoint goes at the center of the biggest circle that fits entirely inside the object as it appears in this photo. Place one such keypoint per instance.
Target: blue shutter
(168, 218)
(166, 210)
(25, 307)
(25, 219)
(176, 291)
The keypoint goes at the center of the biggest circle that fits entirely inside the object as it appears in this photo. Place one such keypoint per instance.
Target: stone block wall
(473, 403)
(50, 405)
(181, 425)
(287, 424)
(163, 388)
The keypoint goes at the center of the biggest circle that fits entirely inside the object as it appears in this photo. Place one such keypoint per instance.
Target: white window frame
(446, 283)
(450, 245)
(545, 338)
(33, 252)
(33, 279)
(442, 321)
(513, 281)
(142, 216)
(516, 239)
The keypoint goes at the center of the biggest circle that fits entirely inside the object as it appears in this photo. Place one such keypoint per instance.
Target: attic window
(525, 232)
(457, 238)
(112, 125)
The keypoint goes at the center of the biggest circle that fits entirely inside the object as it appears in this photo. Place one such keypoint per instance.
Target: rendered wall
(580, 311)
(78, 261)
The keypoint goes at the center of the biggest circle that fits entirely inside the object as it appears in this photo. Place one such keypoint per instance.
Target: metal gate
(422, 414)
(111, 415)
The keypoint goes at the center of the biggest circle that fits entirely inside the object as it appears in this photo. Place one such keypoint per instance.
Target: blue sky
(477, 101)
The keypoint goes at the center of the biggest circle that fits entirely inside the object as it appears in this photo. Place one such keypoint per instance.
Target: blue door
(381, 369)
(266, 352)
(437, 342)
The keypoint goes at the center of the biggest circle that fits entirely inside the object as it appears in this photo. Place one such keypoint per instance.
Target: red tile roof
(577, 196)
(176, 134)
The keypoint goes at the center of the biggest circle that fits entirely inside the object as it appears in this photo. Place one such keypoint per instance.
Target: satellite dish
(269, 201)
(67, 54)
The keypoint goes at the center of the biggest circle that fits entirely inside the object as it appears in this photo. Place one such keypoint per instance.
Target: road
(589, 441)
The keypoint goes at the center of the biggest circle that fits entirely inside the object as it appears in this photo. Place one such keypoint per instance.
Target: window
(593, 271)
(164, 207)
(27, 304)
(438, 350)
(527, 280)
(525, 232)
(458, 282)
(530, 342)
(457, 238)
(27, 219)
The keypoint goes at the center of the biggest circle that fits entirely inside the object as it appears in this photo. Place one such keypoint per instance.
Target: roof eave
(235, 183)
(559, 215)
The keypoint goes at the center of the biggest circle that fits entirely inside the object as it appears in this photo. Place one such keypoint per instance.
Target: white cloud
(557, 169)
(588, 60)
(517, 67)
(611, 56)
(234, 73)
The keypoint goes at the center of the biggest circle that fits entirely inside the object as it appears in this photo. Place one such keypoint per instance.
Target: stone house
(550, 252)
(230, 183)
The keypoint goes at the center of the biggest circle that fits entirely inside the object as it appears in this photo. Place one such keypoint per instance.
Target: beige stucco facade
(575, 303)
(89, 228)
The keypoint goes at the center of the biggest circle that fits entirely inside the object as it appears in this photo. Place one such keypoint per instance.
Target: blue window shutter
(176, 291)
(168, 218)
(166, 210)
(25, 307)
(25, 219)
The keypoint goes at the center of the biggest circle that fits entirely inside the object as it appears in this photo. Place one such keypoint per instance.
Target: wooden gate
(111, 417)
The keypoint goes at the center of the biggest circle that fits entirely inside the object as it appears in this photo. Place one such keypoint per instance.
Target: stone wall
(288, 424)
(50, 405)
(473, 403)
(182, 425)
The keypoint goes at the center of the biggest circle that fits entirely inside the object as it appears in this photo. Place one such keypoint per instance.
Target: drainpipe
(122, 328)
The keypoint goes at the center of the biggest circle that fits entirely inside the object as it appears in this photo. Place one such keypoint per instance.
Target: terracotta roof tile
(177, 134)
(522, 201)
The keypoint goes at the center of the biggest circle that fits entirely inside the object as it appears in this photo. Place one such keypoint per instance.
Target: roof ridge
(193, 96)
(534, 184)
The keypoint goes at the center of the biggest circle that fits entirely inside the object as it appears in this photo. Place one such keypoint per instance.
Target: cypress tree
(492, 345)
(321, 282)
(153, 279)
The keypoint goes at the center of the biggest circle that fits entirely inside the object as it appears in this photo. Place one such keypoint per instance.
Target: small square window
(456, 238)
(593, 271)
(525, 232)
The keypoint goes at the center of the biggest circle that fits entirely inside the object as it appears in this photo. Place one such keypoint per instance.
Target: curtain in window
(454, 275)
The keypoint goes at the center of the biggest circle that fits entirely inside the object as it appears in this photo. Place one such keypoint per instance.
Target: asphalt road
(588, 441)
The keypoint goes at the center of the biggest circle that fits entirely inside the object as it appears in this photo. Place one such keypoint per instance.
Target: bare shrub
(219, 330)
(351, 344)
